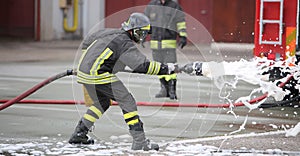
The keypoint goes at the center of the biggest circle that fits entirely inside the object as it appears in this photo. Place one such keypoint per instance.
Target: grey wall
(91, 12)
(94, 13)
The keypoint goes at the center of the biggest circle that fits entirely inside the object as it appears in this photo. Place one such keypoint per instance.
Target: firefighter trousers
(102, 94)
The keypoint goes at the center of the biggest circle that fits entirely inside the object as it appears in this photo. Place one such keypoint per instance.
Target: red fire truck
(277, 37)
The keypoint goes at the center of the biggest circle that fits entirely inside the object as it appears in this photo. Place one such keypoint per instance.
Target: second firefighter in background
(105, 53)
(168, 23)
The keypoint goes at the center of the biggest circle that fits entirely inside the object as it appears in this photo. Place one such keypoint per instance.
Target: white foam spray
(254, 72)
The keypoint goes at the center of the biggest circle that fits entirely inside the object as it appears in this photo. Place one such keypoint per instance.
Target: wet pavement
(23, 65)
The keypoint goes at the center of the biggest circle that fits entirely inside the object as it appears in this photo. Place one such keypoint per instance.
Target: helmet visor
(140, 35)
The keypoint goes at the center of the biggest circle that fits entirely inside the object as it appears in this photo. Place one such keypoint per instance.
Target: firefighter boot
(139, 140)
(80, 135)
(172, 89)
(164, 90)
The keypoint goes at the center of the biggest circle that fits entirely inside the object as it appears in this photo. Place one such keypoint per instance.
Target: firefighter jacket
(108, 51)
(167, 21)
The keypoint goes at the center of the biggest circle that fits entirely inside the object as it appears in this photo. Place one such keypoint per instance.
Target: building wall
(91, 12)
(43, 19)
(199, 20)
(116, 14)
(46, 20)
(225, 20)
(233, 20)
(93, 15)
(17, 18)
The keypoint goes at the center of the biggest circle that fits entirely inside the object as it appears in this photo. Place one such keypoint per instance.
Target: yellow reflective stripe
(95, 77)
(161, 76)
(103, 78)
(146, 27)
(291, 41)
(153, 68)
(156, 68)
(82, 56)
(132, 122)
(100, 60)
(291, 36)
(84, 51)
(153, 44)
(89, 117)
(168, 77)
(150, 68)
(102, 81)
(183, 34)
(105, 81)
(172, 77)
(168, 44)
(181, 25)
(130, 115)
(96, 111)
(127, 22)
(164, 44)
(91, 45)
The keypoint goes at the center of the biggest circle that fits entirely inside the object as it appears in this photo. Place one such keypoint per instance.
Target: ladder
(263, 21)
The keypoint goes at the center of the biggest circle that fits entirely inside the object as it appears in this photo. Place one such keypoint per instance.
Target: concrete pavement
(24, 64)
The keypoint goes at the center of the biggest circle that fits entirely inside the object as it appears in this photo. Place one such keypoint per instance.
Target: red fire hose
(35, 88)
(18, 99)
(162, 104)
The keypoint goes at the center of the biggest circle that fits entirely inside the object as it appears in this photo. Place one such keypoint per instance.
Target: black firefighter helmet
(140, 26)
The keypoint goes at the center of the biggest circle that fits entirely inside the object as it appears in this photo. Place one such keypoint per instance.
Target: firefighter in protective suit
(168, 22)
(105, 53)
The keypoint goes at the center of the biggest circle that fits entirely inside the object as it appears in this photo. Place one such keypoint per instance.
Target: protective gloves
(182, 41)
(194, 68)
(197, 68)
(173, 68)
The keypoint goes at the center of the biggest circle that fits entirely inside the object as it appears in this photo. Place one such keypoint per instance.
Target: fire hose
(35, 88)
(18, 99)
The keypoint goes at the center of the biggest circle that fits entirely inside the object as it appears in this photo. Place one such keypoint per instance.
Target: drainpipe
(75, 18)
